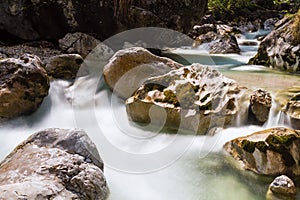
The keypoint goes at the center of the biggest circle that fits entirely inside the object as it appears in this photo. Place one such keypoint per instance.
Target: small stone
(260, 105)
(282, 188)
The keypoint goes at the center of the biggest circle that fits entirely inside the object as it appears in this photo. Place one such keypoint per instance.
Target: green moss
(296, 97)
(280, 140)
(170, 97)
(296, 29)
(261, 58)
(261, 146)
(186, 95)
(248, 146)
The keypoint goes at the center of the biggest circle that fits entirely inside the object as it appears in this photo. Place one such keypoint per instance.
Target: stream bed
(179, 166)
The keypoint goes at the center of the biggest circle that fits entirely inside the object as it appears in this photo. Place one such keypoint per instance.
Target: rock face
(260, 105)
(103, 18)
(80, 43)
(52, 19)
(281, 48)
(54, 164)
(293, 111)
(196, 98)
(270, 152)
(282, 188)
(23, 85)
(135, 64)
(63, 66)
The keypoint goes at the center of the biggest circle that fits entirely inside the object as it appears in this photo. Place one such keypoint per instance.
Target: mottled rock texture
(196, 98)
(54, 164)
(270, 152)
(23, 85)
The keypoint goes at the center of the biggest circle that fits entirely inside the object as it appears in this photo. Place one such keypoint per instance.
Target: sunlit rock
(128, 68)
(281, 48)
(54, 164)
(196, 98)
(23, 85)
(282, 188)
(260, 105)
(293, 111)
(272, 152)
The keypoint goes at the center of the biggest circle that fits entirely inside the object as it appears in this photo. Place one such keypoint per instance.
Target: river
(146, 164)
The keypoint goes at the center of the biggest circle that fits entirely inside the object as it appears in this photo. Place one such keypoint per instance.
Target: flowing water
(143, 164)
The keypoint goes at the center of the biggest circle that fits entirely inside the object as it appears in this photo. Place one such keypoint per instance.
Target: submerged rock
(281, 48)
(196, 98)
(63, 66)
(292, 110)
(260, 105)
(23, 85)
(54, 164)
(282, 188)
(271, 152)
(128, 68)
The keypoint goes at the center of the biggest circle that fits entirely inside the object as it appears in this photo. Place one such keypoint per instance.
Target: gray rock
(281, 48)
(23, 85)
(79, 43)
(270, 152)
(292, 110)
(282, 188)
(227, 44)
(260, 105)
(135, 64)
(196, 98)
(64, 66)
(54, 164)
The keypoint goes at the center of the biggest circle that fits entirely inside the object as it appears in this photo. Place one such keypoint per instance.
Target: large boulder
(282, 188)
(281, 48)
(54, 164)
(260, 105)
(23, 85)
(135, 64)
(196, 98)
(64, 66)
(292, 110)
(271, 152)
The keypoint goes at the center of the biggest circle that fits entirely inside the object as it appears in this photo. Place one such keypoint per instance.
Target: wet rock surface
(23, 85)
(64, 66)
(227, 44)
(135, 64)
(196, 98)
(271, 152)
(260, 105)
(281, 48)
(54, 164)
(292, 110)
(282, 188)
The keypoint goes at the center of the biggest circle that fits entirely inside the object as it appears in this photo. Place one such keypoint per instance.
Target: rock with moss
(135, 64)
(54, 164)
(282, 188)
(281, 48)
(270, 152)
(292, 110)
(196, 98)
(23, 85)
(260, 105)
